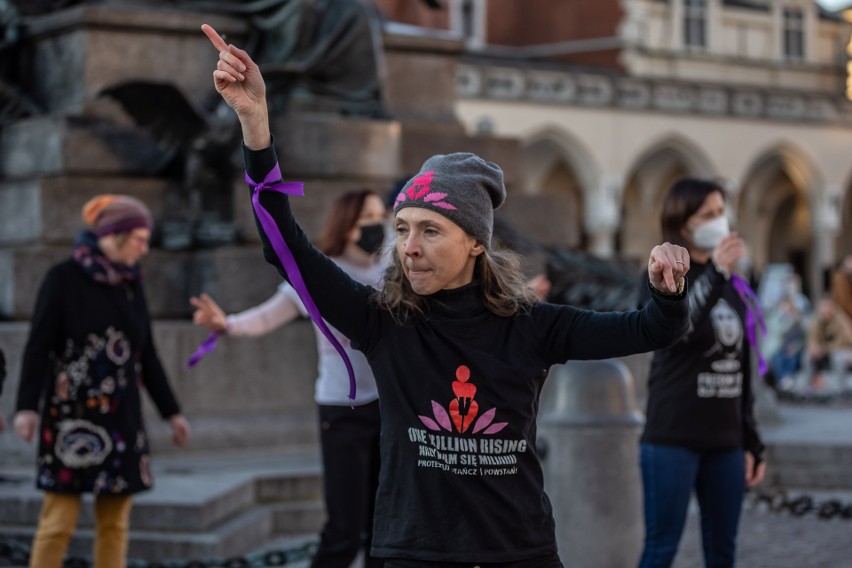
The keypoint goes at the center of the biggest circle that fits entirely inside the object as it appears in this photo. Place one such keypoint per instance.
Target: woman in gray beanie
(457, 343)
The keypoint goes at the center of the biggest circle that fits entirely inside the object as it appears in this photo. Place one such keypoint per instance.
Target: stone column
(588, 434)
(754, 257)
(826, 227)
(811, 34)
(603, 215)
(715, 35)
(676, 22)
(777, 52)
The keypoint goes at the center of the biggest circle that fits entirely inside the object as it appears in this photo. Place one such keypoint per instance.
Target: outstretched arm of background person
(46, 336)
(259, 320)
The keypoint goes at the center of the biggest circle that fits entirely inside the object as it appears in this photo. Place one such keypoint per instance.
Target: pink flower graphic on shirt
(421, 188)
(463, 410)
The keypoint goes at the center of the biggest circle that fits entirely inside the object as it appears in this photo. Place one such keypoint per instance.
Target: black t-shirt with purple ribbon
(458, 391)
(699, 390)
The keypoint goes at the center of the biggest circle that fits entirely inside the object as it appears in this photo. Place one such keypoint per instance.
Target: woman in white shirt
(352, 236)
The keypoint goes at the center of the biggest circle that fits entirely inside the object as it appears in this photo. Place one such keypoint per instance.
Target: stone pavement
(780, 540)
(770, 540)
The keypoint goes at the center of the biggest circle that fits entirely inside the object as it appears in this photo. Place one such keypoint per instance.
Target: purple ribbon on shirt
(754, 317)
(273, 182)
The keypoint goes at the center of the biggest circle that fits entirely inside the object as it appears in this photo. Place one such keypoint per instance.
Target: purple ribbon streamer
(273, 182)
(754, 317)
(206, 347)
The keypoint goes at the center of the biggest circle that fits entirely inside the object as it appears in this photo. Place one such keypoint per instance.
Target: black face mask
(372, 237)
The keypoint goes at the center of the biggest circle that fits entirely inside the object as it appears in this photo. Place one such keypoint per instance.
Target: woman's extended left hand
(667, 265)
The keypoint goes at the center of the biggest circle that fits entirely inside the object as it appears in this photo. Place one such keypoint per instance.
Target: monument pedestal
(85, 145)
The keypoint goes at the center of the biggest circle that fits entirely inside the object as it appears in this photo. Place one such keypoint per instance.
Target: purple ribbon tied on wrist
(273, 182)
(754, 318)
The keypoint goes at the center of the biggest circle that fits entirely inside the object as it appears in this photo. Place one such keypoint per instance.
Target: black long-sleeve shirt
(699, 390)
(458, 391)
(89, 351)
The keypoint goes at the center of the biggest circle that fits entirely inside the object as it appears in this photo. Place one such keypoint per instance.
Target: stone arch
(774, 208)
(556, 172)
(653, 172)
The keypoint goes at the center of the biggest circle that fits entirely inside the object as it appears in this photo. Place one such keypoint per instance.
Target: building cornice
(599, 89)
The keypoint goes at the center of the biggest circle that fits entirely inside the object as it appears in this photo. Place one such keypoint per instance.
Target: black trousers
(350, 456)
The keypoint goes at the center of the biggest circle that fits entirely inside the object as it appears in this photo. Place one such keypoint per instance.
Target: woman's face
(372, 212)
(436, 254)
(131, 250)
(368, 234)
(712, 208)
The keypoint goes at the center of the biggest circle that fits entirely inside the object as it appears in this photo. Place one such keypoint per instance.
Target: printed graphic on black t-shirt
(724, 378)
(449, 444)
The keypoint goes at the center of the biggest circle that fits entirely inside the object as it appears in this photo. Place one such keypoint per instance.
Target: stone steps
(812, 466)
(200, 508)
(810, 447)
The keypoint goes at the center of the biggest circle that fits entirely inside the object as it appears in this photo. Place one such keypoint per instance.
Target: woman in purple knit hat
(90, 348)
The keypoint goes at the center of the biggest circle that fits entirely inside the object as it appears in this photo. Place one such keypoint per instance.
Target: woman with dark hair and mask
(458, 343)
(700, 434)
(352, 237)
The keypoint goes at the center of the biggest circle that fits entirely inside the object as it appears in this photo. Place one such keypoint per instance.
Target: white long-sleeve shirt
(332, 383)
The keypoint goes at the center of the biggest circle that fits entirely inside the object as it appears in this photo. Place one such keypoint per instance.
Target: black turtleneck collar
(464, 301)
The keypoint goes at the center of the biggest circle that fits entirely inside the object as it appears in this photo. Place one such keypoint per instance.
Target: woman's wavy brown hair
(504, 287)
(342, 216)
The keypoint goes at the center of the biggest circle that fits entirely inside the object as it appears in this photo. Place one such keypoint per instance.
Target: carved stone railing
(583, 87)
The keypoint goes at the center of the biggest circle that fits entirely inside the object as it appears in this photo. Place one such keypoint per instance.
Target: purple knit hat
(462, 187)
(109, 214)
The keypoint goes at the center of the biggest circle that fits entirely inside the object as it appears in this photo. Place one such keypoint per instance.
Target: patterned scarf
(97, 266)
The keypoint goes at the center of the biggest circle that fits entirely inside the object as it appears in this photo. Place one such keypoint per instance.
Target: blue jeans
(784, 365)
(669, 476)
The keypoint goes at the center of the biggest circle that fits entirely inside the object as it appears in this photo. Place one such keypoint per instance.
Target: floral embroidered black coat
(89, 350)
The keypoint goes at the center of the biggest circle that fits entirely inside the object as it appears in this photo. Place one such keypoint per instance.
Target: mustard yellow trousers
(58, 520)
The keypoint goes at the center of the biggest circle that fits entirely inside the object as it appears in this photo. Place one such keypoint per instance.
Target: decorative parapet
(582, 87)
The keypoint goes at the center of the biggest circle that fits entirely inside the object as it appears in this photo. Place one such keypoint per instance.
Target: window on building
(468, 18)
(467, 14)
(794, 33)
(695, 23)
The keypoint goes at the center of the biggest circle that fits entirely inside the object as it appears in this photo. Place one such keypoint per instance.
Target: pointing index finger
(215, 38)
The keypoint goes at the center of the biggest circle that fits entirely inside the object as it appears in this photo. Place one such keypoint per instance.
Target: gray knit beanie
(462, 187)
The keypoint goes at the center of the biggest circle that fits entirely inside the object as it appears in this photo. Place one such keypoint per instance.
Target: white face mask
(707, 236)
